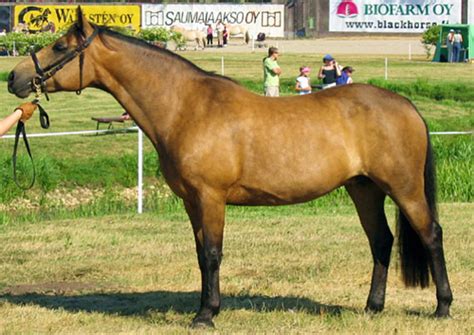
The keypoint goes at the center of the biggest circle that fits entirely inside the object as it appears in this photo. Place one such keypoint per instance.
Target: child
(303, 85)
(346, 76)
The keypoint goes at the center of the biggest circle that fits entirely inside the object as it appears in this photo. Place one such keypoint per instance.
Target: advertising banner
(391, 16)
(55, 17)
(268, 19)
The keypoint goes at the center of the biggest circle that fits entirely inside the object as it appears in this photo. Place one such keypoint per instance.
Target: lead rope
(20, 130)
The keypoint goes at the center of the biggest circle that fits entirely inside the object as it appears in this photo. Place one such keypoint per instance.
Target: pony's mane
(142, 43)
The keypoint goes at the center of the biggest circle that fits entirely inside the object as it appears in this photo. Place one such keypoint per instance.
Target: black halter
(38, 83)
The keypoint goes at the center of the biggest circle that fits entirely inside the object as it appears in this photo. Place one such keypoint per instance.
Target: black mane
(144, 44)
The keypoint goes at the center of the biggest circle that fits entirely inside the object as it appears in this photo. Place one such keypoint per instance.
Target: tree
(429, 38)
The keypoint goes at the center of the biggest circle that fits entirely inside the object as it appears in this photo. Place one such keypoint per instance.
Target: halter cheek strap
(38, 83)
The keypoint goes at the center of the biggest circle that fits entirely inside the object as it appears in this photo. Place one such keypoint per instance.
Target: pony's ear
(83, 24)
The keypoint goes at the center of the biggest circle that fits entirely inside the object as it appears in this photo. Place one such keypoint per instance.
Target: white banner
(392, 16)
(268, 19)
(470, 12)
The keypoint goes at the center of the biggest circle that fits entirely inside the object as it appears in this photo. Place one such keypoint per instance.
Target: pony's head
(60, 66)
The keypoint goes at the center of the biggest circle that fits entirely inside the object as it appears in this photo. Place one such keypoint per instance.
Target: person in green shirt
(271, 73)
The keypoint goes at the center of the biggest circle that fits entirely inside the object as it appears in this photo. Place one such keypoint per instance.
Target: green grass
(285, 270)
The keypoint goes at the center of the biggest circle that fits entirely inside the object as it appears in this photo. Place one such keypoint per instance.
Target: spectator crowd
(330, 73)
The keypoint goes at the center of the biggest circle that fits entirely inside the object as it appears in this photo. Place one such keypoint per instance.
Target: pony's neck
(146, 82)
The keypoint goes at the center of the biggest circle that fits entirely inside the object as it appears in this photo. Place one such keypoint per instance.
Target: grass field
(285, 270)
(75, 259)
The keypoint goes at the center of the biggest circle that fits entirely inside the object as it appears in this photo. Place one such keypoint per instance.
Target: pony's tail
(413, 256)
(247, 37)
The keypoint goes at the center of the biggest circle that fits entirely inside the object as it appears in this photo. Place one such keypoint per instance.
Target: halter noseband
(38, 83)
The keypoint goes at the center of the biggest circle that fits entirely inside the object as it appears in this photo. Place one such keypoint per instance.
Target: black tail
(413, 256)
(247, 37)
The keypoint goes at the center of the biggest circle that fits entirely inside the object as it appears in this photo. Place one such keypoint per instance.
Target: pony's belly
(259, 196)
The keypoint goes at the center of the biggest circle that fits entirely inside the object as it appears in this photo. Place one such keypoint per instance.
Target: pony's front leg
(207, 214)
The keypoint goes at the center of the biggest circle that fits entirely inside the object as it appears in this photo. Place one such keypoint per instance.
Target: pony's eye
(59, 47)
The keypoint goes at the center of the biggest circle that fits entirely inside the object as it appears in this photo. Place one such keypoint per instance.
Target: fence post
(386, 68)
(140, 171)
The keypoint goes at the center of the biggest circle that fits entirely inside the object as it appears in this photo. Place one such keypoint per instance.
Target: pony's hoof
(374, 308)
(200, 323)
(441, 315)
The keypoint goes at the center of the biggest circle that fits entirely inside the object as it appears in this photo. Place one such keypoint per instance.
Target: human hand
(27, 110)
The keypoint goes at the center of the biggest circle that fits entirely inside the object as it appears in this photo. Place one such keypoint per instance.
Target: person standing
(220, 30)
(449, 45)
(225, 36)
(210, 35)
(457, 46)
(271, 73)
(329, 72)
(303, 84)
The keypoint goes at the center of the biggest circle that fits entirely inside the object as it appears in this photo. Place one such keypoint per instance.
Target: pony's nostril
(11, 77)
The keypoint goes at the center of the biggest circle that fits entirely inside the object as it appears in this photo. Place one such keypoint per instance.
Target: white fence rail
(140, 149)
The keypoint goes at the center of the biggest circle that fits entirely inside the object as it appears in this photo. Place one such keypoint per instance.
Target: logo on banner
(347, 9)
(35, 17)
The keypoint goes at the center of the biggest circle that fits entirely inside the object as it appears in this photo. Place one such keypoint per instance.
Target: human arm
(7, 123)
(22, 112)
(272, 66)
(338, 68)
(320, 73)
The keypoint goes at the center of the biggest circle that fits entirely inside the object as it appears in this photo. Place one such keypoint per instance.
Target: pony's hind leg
(369, 201)
(421, 245)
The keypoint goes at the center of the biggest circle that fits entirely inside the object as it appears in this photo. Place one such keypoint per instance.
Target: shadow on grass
(140, 304)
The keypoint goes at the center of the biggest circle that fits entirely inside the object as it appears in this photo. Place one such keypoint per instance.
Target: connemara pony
(220, 144)
(238, 30)
(192, 35)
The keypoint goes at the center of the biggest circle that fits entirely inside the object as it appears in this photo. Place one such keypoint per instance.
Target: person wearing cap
(449, 45)
(303, 85)
(346, 76)
(271, 73)
(21, 113)
(457, 46)
(329, 72)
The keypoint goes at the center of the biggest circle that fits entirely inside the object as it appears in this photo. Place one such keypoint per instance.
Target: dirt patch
(337, 46)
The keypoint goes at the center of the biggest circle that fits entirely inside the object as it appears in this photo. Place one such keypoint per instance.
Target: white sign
(392, 16)
(470, 12)
(268, 19)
